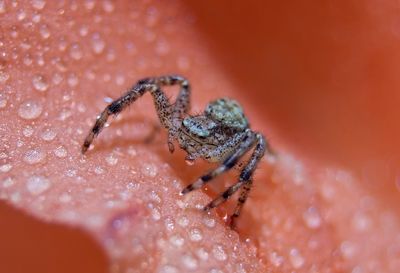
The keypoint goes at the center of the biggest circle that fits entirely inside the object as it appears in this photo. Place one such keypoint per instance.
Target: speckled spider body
(221, 134)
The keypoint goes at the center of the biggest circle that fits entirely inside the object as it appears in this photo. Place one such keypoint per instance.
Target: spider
(220, 134)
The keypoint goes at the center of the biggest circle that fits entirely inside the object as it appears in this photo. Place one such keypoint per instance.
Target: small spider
(221, 134)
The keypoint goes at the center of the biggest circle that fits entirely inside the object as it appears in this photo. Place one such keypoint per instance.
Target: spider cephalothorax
(220, 134)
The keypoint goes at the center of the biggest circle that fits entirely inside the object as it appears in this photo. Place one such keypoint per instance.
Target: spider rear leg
(245, 181)
(247, 140)
(244, 193)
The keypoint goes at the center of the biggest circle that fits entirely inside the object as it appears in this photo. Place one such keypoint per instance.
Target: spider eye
(200, 126)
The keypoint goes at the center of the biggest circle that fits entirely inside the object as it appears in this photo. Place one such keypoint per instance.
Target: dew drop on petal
(219, 253)
(75, 52)
(3, 101)
(209, 222)
(38, 4)
(98, 43)
(176, 240)
(34, 156)
(195, 235)
(183, 221)
(5, 168)
(296, 259)
(189, 261)
(60, 152)
(48, 135)
(111, 159)
(30, 109)
(312, 218)
(40, 83)
(4, 76)
(37, 184)
(27, 131)
(168, 269)
(44, 31)
(276, 259)
(149, 170)
(8, 182)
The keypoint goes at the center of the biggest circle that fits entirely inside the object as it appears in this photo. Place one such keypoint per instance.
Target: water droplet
(44, 31)
(155, 197)
(5, 168)
(189, 161)
(48, 135)
(183, 221)
(75, 51)
(183, 63)
(2, 6)
(108, 6)
(36, 18)
(21, 15)
(65, 114)
(27, 131)
(83, 31)
(38, 4)
(176, 240)
(296, 259)
(119, 79)
(57, 78)
(209, 222)
(8, 182)
(30, 109)
(65, 197)
(347, 249)
(276, 259)
(98, 170)
(37, 184)
(195, 235)
(98, 43)
(202, 254)
(89, 4)
(72, 80)
(312, 218)
(155, 214)
(169, 224)
(219, 253)
(3, 101)
(111, 159)
(149, 170)
(34, 156)
(4, 76)
(162, 47)
(189, 261)
(361, 222)
(168, 269)
(40, 83)
(60, 152)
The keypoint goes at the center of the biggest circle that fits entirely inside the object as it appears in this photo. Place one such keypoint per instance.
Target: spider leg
(161, 102)
(245, 180)
(246, 143)
(244, 193)
(179, 108)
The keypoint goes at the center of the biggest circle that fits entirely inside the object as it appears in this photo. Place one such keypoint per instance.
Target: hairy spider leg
(244, 193)
(179, 108)
(162, 104)
(245, 180)
(246, 143)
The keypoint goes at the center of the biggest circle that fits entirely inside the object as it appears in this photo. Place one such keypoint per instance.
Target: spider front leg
(179, 108)
(161, 102)
(245, 180)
